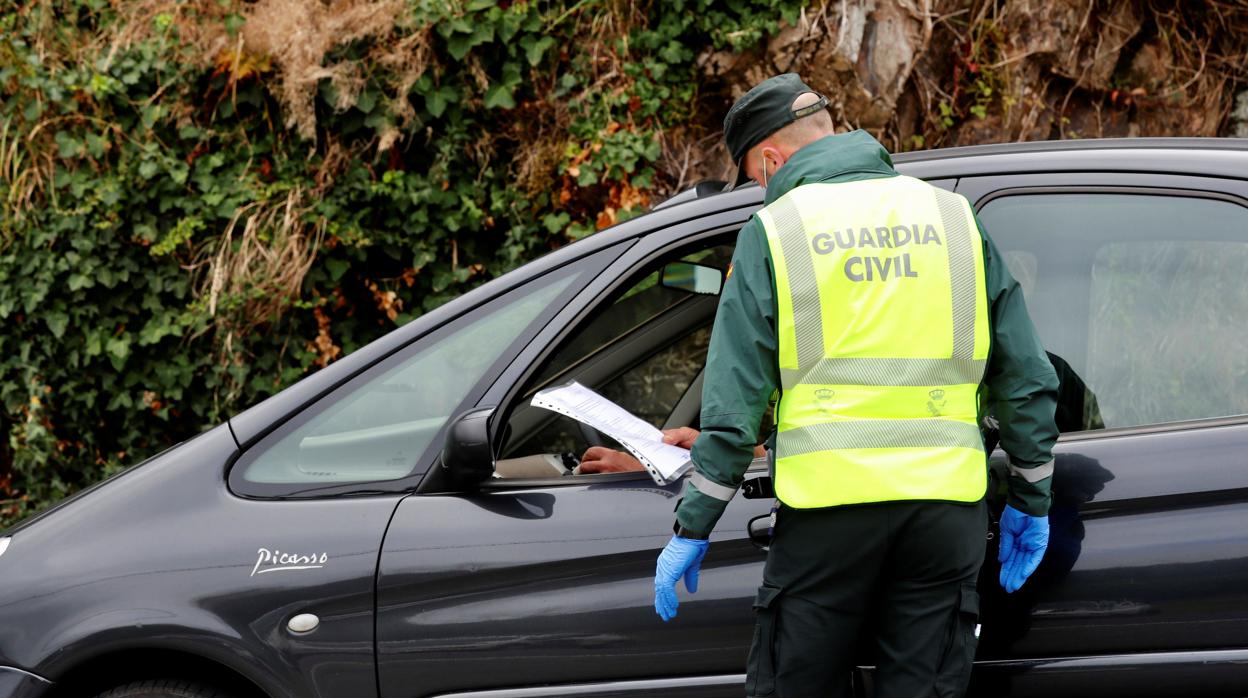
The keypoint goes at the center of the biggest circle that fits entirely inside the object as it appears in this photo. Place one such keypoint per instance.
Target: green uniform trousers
(898, 574)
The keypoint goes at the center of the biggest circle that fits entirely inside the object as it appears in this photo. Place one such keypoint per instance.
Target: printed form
(665, 462)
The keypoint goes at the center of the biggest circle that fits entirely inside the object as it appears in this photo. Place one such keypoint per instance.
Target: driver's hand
(599, 459)
(680, 436)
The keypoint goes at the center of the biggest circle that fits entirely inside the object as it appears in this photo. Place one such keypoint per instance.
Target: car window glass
(379, 430)
(1138, 298)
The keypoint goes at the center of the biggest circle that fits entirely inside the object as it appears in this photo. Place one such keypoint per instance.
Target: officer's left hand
(681, 558)
(1024, 539)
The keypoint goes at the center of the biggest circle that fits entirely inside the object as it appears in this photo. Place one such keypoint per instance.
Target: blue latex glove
(1024, 539)
(681, 558)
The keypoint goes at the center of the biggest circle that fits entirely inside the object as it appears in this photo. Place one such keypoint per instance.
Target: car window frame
(669, 327)
(1143, 188)
(622, 280)
(674, 310)
(594, 262)
(651, 247)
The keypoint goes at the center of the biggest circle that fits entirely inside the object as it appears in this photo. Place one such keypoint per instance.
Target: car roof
(1215, 157)
(1218, 157)
(1075, 144)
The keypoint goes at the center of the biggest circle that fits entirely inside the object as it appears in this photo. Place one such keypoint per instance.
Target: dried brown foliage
(261, 269)
(299, 34)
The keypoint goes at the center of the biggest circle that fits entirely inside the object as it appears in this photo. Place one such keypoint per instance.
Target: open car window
(643, 349)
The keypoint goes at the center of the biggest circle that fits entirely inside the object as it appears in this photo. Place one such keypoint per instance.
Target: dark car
(403, 523)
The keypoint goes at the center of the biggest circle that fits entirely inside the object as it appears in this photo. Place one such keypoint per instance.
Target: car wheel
(165, 688)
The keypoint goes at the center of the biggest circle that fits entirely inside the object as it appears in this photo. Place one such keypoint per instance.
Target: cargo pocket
(955, 666)
(760, 677)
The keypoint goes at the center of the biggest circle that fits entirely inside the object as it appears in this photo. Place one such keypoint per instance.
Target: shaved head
(807, 129)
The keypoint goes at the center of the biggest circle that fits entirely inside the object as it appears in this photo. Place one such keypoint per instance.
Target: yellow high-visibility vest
(883, 340)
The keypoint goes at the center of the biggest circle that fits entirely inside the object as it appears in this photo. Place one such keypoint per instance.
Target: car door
(1135, 283)
(545, 586)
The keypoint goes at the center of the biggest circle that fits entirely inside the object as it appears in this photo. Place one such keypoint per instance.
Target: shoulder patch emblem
(729, 274)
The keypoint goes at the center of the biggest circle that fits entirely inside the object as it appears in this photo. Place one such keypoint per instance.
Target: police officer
(884, 318)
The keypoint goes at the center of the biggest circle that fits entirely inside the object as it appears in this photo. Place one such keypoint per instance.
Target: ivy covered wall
(204, 201)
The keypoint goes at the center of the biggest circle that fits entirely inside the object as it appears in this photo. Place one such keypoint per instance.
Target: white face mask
(764, 173)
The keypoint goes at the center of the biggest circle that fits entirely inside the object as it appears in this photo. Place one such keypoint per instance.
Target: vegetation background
(202, 201)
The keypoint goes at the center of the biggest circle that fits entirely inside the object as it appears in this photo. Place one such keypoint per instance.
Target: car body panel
(509, 588)
(1136, 561)
(170, 562)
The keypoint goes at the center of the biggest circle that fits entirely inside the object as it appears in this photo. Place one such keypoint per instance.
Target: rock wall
(932, 73)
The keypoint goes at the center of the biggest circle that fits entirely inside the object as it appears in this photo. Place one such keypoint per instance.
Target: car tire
(165, 688)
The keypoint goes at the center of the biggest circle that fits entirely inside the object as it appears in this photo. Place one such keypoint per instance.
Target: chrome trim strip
(23, 672)
(640, 687)
(1119, 661)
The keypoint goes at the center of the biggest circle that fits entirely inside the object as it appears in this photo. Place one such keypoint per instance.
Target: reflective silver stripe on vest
(961, 271)
(804, 287)
(710, 488)
(878, 433)
(888, 372)
(1035, 474)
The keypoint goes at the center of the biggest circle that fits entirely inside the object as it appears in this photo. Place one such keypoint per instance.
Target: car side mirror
(760, 531)
(467, 453)
(693, 278)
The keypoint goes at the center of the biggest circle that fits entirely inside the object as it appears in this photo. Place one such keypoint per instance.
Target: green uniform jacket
(742, 369)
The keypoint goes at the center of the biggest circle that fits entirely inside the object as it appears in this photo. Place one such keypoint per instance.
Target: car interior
(644, 349)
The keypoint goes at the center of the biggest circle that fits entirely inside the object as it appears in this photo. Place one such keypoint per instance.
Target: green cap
(765, 109)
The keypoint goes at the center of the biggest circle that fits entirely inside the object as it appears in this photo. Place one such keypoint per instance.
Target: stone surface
(860, 53)
(1239, 117)
(1030, 70)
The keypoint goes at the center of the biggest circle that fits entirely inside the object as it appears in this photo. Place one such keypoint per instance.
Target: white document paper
(665, 462)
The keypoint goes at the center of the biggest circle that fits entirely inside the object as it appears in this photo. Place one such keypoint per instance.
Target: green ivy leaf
(435, 103)
(534, 47)
(556, 222)
(458, 46)
(337, 267)
(92, 346)
(57, 322)
(499, 96)
(233, 23)
(96, 145)
(80, 281)
(68, 146)
(117, 348)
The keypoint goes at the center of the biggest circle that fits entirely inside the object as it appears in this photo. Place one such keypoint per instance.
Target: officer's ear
(773, 157)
